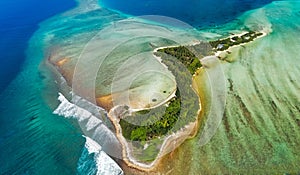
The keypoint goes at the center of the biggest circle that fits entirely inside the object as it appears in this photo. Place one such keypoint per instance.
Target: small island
(178, 116)
(148, 133)
(224, 44)
(161, 126)
(186, 54)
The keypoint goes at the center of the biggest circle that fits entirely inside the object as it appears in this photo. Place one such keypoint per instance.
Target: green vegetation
(185, 56)
(223, 44)
(162, 125)
(162, 120)
(158, 122)
(180, 110)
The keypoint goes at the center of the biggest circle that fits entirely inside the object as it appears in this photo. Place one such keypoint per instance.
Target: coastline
(192, 127)
(171, 141)
(230, 49)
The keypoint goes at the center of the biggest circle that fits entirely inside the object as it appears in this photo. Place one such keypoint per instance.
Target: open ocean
(33, 140)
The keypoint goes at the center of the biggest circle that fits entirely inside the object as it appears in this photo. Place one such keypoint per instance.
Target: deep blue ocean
(32, 139)
(198, 13)
(18, 20)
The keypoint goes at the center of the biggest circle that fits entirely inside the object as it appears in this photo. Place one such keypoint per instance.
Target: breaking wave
(95, 161)
(100, 140)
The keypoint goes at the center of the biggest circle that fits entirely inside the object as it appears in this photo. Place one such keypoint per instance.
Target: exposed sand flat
(105, 102)
(62, 61)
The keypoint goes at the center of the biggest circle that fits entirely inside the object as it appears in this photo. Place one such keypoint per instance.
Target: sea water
(18, 21)
(35, 141)
(32, 139)
(202, 13)
(259, 133)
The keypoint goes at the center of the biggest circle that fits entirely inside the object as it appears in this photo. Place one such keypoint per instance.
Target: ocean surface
(202, 13)
(33, 140)
(18, 21)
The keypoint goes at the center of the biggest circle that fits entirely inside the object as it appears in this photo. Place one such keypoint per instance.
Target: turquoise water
(35, 141)
(260, 129)
(32, 139)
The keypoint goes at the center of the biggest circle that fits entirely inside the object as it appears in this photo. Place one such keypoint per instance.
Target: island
(224, 44)
(149, 133)
(174, 122)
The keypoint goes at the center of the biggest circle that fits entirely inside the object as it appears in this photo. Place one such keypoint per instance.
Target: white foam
(91, 145)
(92, 122)
(70, 110)
(105, 165)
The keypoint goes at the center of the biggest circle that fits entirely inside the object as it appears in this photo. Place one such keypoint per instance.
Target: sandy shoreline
(219, 53)
(189, 131)
(171, 141)
(127, 158)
